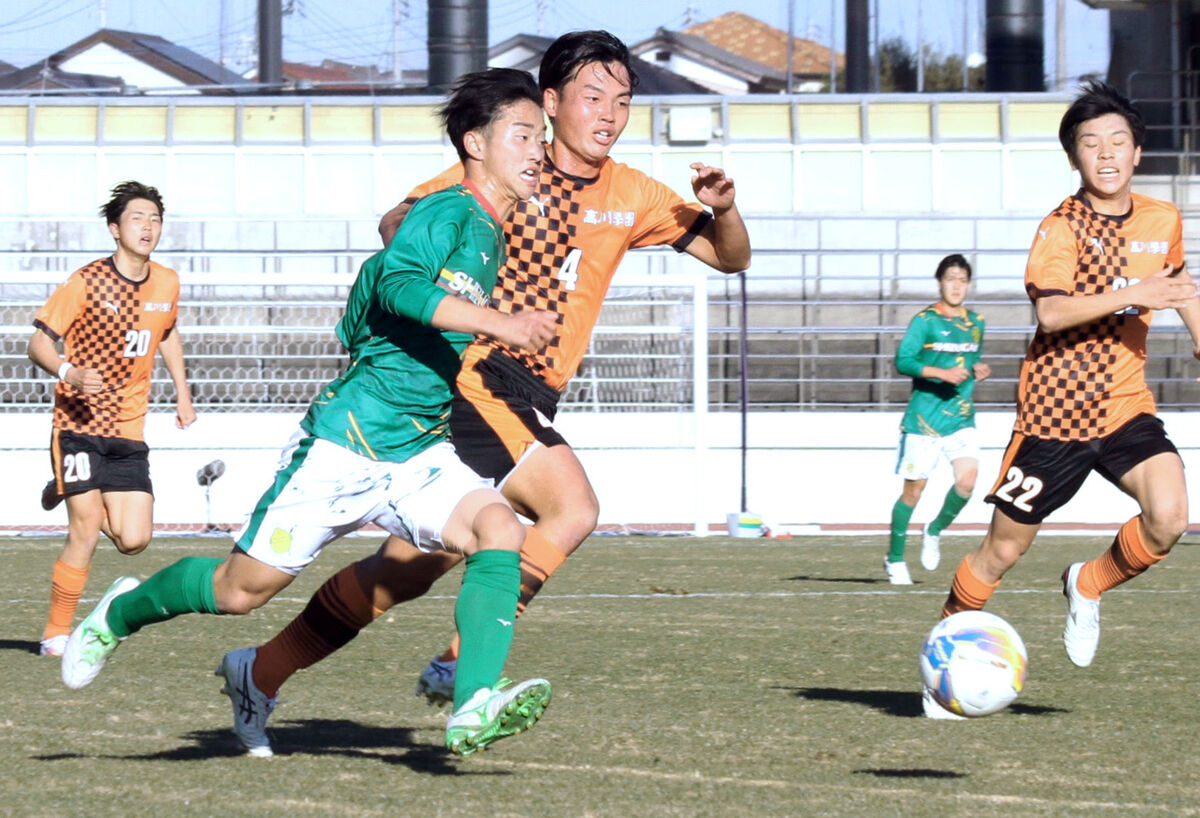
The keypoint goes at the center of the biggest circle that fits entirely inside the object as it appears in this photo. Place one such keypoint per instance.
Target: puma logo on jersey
(1097, 243)
(505, 622)
(486, 257)
(111, 306)
(541, 207)
(1042, 233)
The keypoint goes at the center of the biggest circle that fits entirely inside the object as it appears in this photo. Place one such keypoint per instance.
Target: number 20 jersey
(1086, 381)
(112, 324)
(565, 243)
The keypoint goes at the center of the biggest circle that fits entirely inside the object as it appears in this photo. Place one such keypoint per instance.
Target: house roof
(755, 40)
(43, 76)
(702, 51)
(524, 52)
(181, 63)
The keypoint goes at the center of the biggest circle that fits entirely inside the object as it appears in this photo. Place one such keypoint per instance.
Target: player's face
(1105, 156)
(953, 286)
(589, 114)
(139, 228)
(513, 151)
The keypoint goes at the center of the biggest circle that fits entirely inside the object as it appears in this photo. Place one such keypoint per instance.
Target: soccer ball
(973, 663)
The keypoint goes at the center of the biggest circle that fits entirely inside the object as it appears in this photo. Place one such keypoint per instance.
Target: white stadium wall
(808, 471)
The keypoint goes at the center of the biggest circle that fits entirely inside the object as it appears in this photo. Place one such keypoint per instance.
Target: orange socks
(1125, 559)
(335, 614)
(968, 592)
(66, 586)
(539, 559)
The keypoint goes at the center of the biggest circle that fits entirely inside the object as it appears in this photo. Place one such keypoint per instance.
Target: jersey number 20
(137, 342)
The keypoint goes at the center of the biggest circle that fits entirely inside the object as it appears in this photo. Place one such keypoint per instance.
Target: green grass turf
(692, 677)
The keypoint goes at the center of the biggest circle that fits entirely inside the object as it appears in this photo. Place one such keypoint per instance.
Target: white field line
(1121, 807)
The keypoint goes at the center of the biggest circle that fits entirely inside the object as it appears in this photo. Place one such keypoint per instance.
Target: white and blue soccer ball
(973, 663)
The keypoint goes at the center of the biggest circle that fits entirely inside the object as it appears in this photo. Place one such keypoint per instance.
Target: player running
(1099, 265)
(111, 316)
(940, 352)
(373, 446)
(564, 246)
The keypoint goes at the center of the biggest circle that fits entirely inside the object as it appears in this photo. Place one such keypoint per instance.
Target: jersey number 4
(1015, 479)
(137, 342)
(568, 273)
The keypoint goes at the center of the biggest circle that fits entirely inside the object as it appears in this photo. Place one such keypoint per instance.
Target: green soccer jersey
(937, 408)
(394, 400)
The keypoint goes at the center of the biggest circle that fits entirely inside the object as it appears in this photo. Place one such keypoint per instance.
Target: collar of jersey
(111, 261)
(483, 202)
(1082, 196)
(579, 180)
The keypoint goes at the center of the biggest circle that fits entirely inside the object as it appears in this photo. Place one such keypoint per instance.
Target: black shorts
(86, 462)
(501, 410)
(1039, 476)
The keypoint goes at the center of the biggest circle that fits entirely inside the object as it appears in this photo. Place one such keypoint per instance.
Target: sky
(361, 31)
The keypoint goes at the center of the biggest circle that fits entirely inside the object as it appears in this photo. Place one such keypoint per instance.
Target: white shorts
(917, 455)
(323, 491)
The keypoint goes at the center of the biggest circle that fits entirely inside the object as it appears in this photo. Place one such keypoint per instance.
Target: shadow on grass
(315, 737)
(914, 773)
(903, 703)
(856, 580)
(21, 645)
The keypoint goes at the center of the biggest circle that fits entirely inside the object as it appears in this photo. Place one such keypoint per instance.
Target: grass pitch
(691, 677)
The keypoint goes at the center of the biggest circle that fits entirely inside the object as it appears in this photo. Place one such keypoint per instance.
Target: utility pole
(1060, 46)
(791, 47)
(399, 15)
(920, 53)
(270, 42)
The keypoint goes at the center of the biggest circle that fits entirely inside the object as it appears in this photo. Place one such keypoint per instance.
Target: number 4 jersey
(1087, 381)
(111, 324)
(564, 245)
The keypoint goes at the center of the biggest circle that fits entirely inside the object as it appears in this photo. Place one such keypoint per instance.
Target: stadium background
(850, 200)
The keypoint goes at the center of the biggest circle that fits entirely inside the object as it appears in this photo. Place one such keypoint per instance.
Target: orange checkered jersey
(1085, 382)
(564, 245)
(113, 325)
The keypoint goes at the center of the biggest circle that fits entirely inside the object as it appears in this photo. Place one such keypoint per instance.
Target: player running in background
(1099, 265)
(564, 246)
(111, 315)
(940, 352)
(373, 446)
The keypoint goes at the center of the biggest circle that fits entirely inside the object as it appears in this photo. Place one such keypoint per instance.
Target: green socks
(484, 613)
(182, 587)
(950, 508)
(901, 514)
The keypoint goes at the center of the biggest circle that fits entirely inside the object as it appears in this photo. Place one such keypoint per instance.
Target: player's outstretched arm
(724, 244)
(42, 352)
(529, 330)
(1161, 291)
(171, 350)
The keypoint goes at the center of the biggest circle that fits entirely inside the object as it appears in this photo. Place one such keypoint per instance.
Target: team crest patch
(281, 541)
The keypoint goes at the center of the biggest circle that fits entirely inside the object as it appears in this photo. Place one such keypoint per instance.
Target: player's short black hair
(574, 50)
(125, 193)
(1098, 98)
(478, 99)
(952, 260)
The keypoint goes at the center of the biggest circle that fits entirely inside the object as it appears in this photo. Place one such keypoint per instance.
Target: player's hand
(85, 380)
(530, 330)
(955, 375)
(1163, 291)
(185, 415)
(981, 371)
(712, 187)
